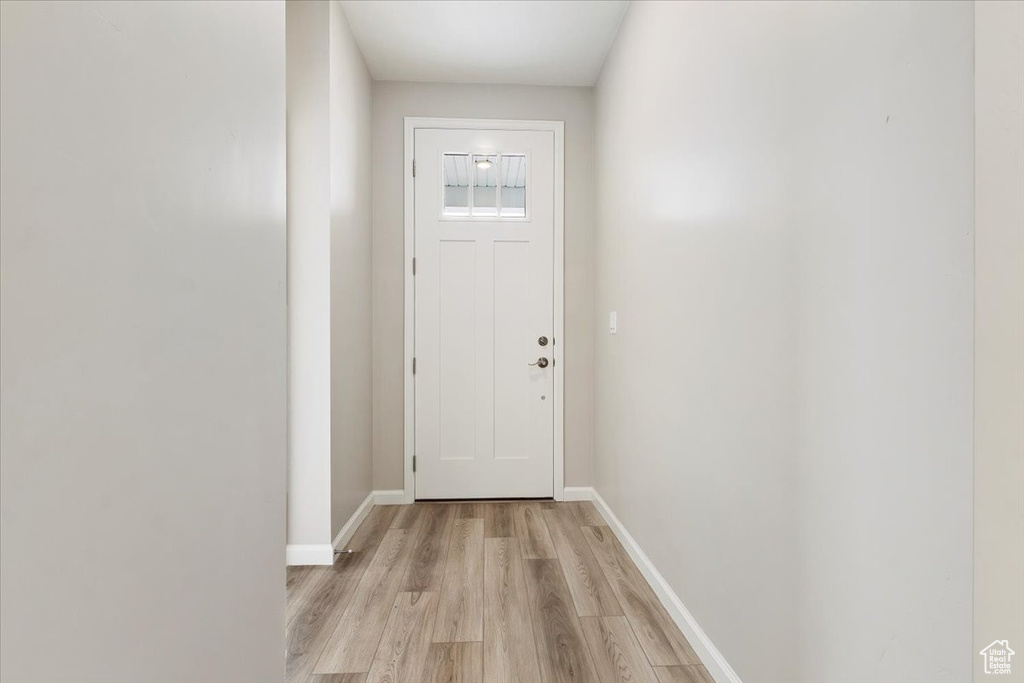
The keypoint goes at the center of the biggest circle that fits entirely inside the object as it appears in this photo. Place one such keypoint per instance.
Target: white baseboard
(709, 655)
(392, 497)
(308, 553)
(322, 553)
(353, 522)
(578, 493)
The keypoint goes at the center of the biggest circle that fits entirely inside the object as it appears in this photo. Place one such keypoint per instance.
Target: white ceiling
(529, 42)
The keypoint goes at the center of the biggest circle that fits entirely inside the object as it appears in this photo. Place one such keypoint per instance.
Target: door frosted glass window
(513, 186)
(484, 186)
(456, 184)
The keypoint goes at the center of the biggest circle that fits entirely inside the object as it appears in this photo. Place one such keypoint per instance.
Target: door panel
(484, 294)
(511, 335)
(457, 348)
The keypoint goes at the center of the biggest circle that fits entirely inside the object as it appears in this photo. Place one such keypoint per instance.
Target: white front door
(484, 313)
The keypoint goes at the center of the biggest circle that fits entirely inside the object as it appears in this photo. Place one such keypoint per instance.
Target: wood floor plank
(586, 513)
(408, 516)
(532, 532)
(297, 577)
(683, 674)
(320, 611)
(510, 654)
(617, 655)
(351, 647)
(403, 648)
(498, 520)
(658, 635)
(453, 663)
(591, 594)
(561, 647)
(426, 567)
(369, 534)
(471, 510)
(460, 613)
(337, 678)
(299, 582)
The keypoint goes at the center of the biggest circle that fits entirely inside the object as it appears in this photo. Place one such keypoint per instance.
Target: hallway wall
(329, 278)
(142, 341)
(785, 230)
(392, 101)
(999, 330)
(695, 442)
(885, 192)
(351, 273)
(309, 276)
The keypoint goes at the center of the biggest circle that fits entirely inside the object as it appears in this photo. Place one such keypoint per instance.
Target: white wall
(790, 259)
(351, 260)
(329, 232)
(309, 279)
(142, 295)
(999, 330)
(885, 193)
(695, 406)
(391, 103)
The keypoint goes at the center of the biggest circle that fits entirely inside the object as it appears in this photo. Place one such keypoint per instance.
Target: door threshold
(547, 499)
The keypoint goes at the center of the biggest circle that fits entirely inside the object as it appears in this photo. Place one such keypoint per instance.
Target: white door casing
(484, 422)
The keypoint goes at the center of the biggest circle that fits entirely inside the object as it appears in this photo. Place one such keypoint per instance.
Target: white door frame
(558, 129)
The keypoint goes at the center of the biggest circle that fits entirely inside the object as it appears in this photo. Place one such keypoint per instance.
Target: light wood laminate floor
(522, 591)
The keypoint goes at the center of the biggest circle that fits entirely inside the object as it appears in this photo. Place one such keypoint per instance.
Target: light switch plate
(613, 323)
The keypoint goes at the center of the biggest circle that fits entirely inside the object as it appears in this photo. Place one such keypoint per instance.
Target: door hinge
(413, 265)
(414, 365)
(413, 168)
(414, 463)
